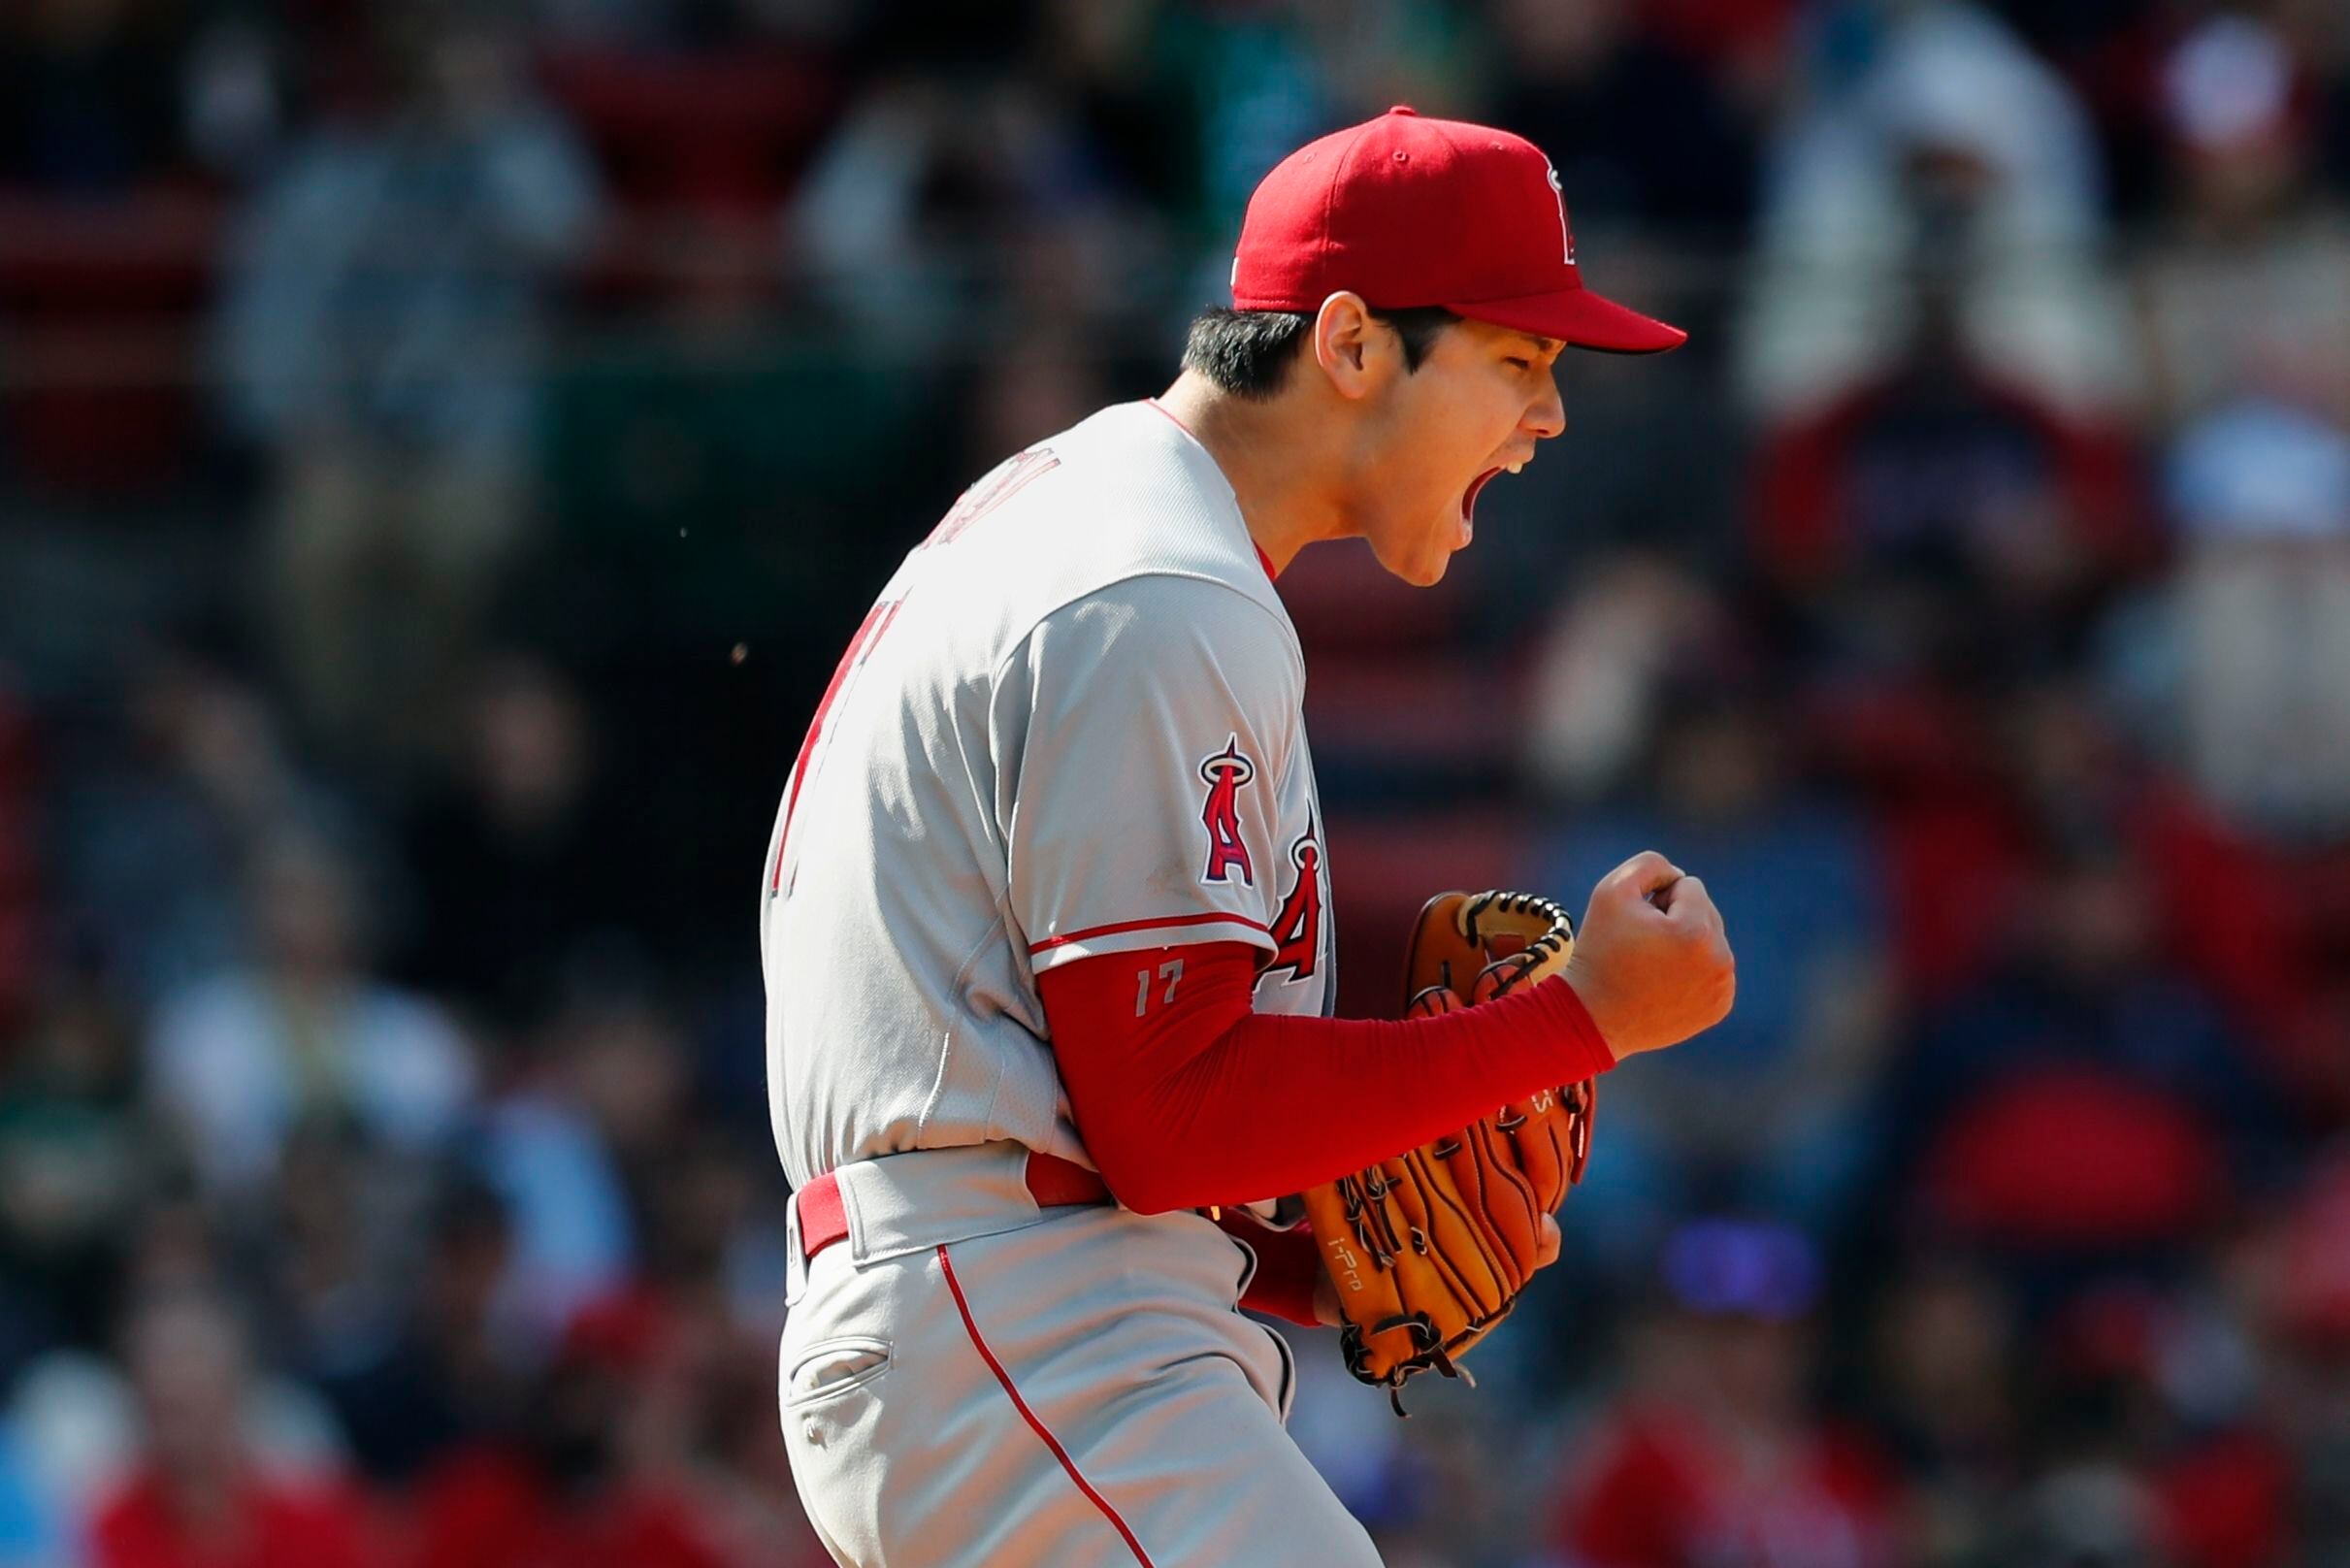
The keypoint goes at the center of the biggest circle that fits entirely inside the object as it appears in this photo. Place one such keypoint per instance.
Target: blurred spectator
(1266, 78)
(2247, 684)
(1647, 702)
(2050, 777)
(601, 1473)
(75, 1168)
(2229, 669)
(1943, 1388)
(1941, 523)
(337, 1252)
(1955, 149)
(714, 1236)
(302, 1036)
(928, 173)
(158, 834)
(2247, 291)
(1769, 1106)
(1259, 89)
(2088, 1098)
(1371, 53)
(574, 1234)
(1628, 623)
(1104, 58)
(1714, 1453)
(447, 1370)
(522, 861)
(200, 1498)
(1644, 137)
(576, 1148)
(385, 314)
(1936, 532)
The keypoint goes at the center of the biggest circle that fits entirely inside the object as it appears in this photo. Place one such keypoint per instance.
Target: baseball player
(1045, 917)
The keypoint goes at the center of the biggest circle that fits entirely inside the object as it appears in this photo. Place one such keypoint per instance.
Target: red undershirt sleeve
(1187, 1097)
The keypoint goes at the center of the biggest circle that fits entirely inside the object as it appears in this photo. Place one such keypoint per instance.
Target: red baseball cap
(1408, 212)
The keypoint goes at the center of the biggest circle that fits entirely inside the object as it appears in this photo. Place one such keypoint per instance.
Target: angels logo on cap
(1408, 212)
(1565, 233)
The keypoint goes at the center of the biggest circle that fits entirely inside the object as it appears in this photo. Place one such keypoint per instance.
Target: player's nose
(1547, 416)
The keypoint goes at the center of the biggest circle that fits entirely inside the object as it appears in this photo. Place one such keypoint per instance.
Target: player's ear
(1347, 344)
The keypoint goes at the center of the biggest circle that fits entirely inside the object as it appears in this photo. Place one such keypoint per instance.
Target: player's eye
(1521, 363)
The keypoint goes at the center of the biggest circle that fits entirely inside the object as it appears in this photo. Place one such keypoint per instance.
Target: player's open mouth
(1468, 501)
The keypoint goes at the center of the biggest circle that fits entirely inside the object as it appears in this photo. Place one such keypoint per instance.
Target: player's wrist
(1588, 994)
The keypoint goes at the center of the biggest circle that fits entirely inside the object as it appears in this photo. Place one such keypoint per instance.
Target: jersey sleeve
(1145, 732)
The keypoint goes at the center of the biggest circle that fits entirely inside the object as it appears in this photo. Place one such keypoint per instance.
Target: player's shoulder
(1125, 494)
(1172, 621)
(1124, 503)
(1161, 644)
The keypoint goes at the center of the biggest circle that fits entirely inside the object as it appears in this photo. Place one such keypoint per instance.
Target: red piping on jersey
(1035, 948)
(1262, 559)
(946, 1265)
(869, 631)
(1169, 415)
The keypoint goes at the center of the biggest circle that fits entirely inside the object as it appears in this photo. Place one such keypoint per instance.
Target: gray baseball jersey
(1071, 725)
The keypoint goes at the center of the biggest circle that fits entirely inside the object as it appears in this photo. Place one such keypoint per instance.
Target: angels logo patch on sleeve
(1297, 928)
(1224, 774)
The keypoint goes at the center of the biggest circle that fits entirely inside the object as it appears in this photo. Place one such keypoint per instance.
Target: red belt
(1052, 1181)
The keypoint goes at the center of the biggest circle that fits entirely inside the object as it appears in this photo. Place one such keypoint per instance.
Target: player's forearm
(1204, 1101)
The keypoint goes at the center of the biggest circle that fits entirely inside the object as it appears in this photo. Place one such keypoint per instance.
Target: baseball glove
(1429, 1250)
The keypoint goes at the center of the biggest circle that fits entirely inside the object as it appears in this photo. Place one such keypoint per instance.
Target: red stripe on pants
(1025, 1414)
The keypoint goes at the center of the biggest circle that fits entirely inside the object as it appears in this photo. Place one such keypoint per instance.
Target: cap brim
(1578, 319)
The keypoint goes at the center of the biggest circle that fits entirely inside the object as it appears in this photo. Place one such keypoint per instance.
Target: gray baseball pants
(971, 1382)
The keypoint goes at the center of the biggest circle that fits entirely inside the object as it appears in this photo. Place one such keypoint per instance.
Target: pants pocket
(832, 1367)
(831, 1413)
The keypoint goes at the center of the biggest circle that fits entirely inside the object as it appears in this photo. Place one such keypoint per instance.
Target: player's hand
(1325, 1291)
(1651, 963)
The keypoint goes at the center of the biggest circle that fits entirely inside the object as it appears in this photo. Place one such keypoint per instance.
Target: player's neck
(1270, 457)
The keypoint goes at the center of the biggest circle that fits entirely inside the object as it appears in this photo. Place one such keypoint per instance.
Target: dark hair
(1247, 352)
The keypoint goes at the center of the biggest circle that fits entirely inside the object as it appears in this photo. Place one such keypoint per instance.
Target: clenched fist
(1651, 963)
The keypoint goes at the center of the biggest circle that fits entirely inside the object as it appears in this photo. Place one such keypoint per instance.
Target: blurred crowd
(443, 447)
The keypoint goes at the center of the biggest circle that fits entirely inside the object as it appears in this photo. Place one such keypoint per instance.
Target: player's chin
(1424, 567)
(1420, 556)
(1428, 570)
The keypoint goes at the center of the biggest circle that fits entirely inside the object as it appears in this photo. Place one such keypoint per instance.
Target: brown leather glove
(1429, 1250)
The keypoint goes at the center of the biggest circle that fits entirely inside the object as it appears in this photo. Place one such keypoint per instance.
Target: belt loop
(860, 1243)
(795, 1264)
